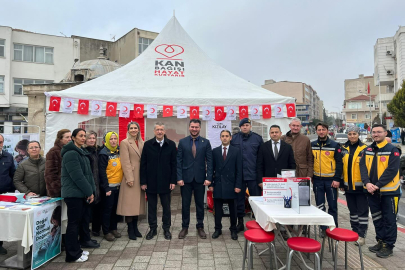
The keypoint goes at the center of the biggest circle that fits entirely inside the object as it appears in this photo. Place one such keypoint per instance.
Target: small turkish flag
(83, 107)
(167, 111)
(54, 104)
(194, 112)
(266, 111)
(290, 109)
(368, 88)
(219, 113)
(138, 110)
(111, 109)
(243, 112)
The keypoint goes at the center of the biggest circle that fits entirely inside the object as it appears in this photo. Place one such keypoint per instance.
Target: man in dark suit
(274, 156)
(194, 173)
(226, 182)
(158, 176)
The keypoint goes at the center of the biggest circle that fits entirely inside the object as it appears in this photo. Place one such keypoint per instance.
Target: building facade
(308, 104)
(359, 110)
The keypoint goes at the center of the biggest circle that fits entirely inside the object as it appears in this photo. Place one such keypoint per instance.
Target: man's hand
(144, 187)
(130, 184)
(172, 186)
(261, 185)
(237, 190)
(211, 189)
(207, 183)
(180, 183)
(108, 193)
(370, 188)
(335, 184)
(91, 198)
(31, 194)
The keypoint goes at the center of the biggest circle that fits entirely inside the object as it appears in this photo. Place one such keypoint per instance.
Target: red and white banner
(243, 112)
(231, 113)
(181, 112)
(206, 113)
(254, 112)
(278, 111)
(68, 105)
(290, 109)
(138, 110)
(83, 107)
(111, 109)
(151, 111)
(167, 111)
(194, 112)
(54, 104)
(125, 109)
(220, 113)
(266, 111)
(96, 107)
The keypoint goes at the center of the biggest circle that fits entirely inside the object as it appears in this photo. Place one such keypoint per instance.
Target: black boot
(240, 227)
(131, 233)
(135, 224)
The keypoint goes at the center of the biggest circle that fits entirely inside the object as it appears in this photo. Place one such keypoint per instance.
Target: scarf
(107, 138)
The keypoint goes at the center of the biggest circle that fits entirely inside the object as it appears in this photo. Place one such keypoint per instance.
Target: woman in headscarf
(131, 201)
(356, 199)
(110, 172)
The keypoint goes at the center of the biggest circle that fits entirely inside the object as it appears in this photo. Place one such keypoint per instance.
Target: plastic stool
(251, 225)
(258, 236)
(303, 244)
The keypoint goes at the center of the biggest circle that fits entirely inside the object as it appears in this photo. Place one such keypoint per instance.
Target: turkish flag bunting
(194, 112)
(167, 111)
(83, 107)
(219, 113)
(368, 88)
(243, 112)
(266, 111)
(54, 104)
(290, 109)
(138, 110)
(111, 109)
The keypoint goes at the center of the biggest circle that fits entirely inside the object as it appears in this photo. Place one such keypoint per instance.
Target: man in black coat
(274, 156)
(194, 173)
(226, 182)
(158, 176)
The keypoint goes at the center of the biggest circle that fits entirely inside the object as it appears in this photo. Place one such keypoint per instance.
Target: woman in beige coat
(131, 200)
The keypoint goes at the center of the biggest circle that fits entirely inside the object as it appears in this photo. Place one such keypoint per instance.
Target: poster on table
(46, 233)
(16, 145)
(214, 131)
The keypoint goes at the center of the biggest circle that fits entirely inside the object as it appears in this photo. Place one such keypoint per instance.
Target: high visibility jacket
(384, 171)
(327, 160)
(110, 170)
(352, 177)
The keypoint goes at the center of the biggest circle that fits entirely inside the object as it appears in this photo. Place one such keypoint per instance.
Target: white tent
(172, 71)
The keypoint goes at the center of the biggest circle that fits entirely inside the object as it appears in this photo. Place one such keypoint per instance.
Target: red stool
(258, 236)
(339, 234)
(251, 225)
(303, 244)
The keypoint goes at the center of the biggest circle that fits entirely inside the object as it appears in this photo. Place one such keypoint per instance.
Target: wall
(289, 89)
(358, 86)
(384, 62)
(5, 65)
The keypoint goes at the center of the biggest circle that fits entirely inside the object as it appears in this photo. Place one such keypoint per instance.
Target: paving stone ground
(207, 254)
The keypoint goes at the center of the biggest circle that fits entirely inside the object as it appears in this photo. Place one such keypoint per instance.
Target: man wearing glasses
(379, 168)
(7, 169)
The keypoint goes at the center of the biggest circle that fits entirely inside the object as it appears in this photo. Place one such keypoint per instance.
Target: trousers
(152, 210)
(254, 190)
(97, 217)
(84, 230)
(186, 194)
(75, 210)
(218, 204)
(110, 217)
(324, 187)
(358, 208)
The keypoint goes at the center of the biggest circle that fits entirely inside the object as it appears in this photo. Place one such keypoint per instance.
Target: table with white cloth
(271, 217)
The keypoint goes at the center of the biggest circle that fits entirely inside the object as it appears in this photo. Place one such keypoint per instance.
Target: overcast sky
(319, 42)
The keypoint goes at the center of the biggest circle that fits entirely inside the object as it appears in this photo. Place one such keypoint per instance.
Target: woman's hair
(33, 142)
(76, 131)
(88, 134)
(22, 145)
(139, 128)
(60, 134)
(57, 214)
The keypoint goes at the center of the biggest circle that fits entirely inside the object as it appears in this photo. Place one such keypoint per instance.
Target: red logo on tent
(290, 109)
(266, 110)
(138, 110)
(219, 113)
(194, 112)
(167, 111)
(243, 112)
(169, 51)
(54, 104)
(111, 109)
(83, 107)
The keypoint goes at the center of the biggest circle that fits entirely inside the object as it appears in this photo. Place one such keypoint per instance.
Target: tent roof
(204, 82)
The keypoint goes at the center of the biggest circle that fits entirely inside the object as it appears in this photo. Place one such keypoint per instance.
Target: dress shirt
(227, 149)
(273, 145)
(161, 142)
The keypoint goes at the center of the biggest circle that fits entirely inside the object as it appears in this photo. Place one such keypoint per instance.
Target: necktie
(193, 148)
(224, 154)
(275, 150)
(161, 143)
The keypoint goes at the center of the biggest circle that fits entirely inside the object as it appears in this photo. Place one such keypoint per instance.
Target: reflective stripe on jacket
(356, 183)
(327, 159)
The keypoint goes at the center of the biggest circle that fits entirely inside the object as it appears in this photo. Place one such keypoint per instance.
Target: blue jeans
(322, 187)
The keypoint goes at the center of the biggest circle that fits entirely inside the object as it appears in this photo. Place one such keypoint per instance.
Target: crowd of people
(100, 184)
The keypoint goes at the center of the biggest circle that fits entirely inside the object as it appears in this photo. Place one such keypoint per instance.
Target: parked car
(341, 138)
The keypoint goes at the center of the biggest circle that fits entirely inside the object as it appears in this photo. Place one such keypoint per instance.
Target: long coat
(158, 166)
(227, 174)
(131, 201)
(53, 169)
(29, 176)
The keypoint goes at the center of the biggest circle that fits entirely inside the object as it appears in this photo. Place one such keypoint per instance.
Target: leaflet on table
(41, 200)
(274, 189)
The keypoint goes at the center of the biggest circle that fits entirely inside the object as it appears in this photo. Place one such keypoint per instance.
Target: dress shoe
(234, 235)
(94, 241)
(3, 251)
(167, 234)
(109, 237)
(183, 233)
(89, 244)
(151, 234)
(116, 234)
(201, 233)
(95, 233)
(216, 234)
(240, 227)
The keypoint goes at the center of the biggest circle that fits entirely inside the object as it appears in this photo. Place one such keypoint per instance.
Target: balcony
(384, 97)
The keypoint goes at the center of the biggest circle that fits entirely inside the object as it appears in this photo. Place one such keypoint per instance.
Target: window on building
(370, 104)
(2, 47)
(18, 83)
(301, 108)
(1, 84)
(367, 116)
(302, 118)
(29, 53)
(354, 115)
(354, 105)
(143, 44)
